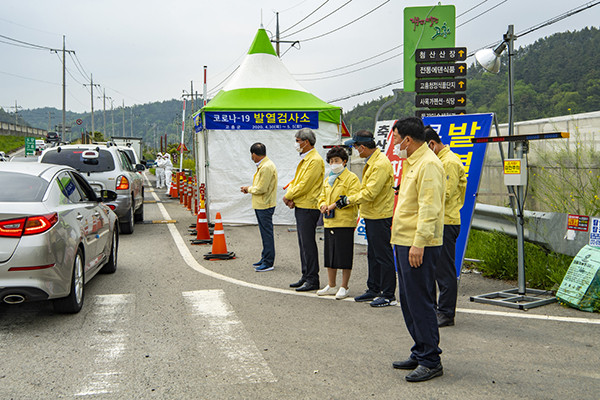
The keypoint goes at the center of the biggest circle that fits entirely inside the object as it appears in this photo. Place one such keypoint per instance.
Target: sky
(144, 51)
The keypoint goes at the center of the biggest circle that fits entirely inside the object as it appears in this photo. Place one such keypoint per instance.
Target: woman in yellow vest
(339, 223)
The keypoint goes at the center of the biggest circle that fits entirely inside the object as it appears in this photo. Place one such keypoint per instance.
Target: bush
(498, 251)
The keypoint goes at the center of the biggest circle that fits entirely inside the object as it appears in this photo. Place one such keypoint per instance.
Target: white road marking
(110, 315)
(229, 355)
(191, 261)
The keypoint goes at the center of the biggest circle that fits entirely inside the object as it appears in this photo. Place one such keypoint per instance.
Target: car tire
(74, 301)
(127, 226)
(111, 266)
(139, 214)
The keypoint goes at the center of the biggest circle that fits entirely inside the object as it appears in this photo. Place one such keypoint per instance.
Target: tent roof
(263, 83)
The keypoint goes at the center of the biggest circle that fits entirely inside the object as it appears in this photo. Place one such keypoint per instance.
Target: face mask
(399, 152)
(298, 147)
(337, 168)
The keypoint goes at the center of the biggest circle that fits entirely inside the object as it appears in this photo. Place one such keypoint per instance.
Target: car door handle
(79, 217)
(96, 214)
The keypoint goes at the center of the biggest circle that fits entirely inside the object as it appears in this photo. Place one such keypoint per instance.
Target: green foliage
(554, 76)
(498, 251)
(9, 143)
(10, 118)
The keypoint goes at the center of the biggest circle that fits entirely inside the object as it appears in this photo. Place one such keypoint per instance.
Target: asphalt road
(169, 325)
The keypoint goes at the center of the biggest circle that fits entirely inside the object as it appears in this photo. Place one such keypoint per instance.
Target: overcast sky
(145, 51)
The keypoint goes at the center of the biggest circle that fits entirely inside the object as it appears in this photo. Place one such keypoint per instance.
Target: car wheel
(74, 301)
(128, 225)
(111, 266)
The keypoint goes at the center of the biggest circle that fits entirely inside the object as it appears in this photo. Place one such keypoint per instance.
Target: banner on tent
(261, 120)
(198, 121)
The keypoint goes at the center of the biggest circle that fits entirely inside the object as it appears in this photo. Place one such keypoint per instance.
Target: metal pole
(92, 98)
(510, 39)
(277, 34)
(123, 117)
(112, 116)
(104, 107)
(64, 95)
(182, 137)
(386, 104)
(131, 122)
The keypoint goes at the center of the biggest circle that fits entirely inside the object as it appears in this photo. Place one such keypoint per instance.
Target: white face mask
(298, 147)
(399, 152)
(336, 168)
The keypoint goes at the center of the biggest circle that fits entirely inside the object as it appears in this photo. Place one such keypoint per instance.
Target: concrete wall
(18, 130)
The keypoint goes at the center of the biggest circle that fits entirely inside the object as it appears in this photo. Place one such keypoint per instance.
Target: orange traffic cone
(202, 232)
(219, 247)
(188, 203)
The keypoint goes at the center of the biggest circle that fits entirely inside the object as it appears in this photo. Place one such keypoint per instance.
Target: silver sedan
(55, 235)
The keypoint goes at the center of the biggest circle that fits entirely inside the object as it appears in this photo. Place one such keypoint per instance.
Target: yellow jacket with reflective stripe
(456, 185)
(376, 196)
(345, 184)
(419, 215)
(306, 186)
(264, 185)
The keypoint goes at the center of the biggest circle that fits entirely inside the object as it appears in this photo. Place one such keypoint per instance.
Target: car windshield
(21, 188)
(74, 158)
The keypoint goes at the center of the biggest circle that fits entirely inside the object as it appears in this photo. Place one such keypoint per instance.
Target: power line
(471, 9)
(480, 14)
(303, 19)
(366, 91)
(31, 79)
(81, 65)
(78, 68)
(27, 43)
(348, 24)
(316, 22)
(20, 45)
(354, 70)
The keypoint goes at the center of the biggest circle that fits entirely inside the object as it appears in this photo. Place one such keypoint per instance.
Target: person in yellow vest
(339, 224)
(456, 186)
(417, 232)
(264, 193)
(376, 205)
(302, 195)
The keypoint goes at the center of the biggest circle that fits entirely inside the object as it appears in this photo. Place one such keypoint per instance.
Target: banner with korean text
(456, 132)
(261, 120)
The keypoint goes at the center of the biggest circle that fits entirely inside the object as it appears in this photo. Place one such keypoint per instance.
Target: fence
(7, 128)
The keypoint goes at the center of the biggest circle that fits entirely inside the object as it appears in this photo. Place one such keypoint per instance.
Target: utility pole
(277, 35)
(64, 85)
(131, 121)
(112, 115)
(123, 117)
(92, 99)
(104, 107)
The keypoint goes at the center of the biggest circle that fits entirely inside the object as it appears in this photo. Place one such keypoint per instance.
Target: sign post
(29, 146)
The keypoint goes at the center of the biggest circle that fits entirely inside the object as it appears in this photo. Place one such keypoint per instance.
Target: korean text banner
(261, 120)
(456, 132)
(197, 121)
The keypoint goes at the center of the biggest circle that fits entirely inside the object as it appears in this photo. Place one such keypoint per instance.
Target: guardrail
(545, 228)
(7, 128)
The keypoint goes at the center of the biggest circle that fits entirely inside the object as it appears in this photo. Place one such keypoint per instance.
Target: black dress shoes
(306, 287)
(406, 364)
(297, 284)
(422, 373)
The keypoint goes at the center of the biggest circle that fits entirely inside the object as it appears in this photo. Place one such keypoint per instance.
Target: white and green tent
(261, 85)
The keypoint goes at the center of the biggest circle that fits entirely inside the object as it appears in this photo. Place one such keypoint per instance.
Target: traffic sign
(79, 121)
(29, 146)
(444, 54)
(440, 85)
(439, 113)
(182, 145)
(441, 100)
(441, 70)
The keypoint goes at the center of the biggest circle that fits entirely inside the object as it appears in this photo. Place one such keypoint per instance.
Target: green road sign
(426, 28)
(29, 146)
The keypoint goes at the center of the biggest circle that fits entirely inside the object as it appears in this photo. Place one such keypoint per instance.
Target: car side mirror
(107, 196)
(139, 167)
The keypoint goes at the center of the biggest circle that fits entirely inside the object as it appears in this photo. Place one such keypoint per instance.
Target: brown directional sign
(441, 70)
(445, 54)
(439, 113)
(440, 85)
(441, 100)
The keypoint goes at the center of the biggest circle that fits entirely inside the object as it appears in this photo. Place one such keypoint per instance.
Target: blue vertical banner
(456, 132)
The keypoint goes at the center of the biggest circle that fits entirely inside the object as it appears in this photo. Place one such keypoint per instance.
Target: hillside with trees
(554, 76)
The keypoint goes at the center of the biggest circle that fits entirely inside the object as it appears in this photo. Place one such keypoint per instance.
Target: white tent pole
(205, 139)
